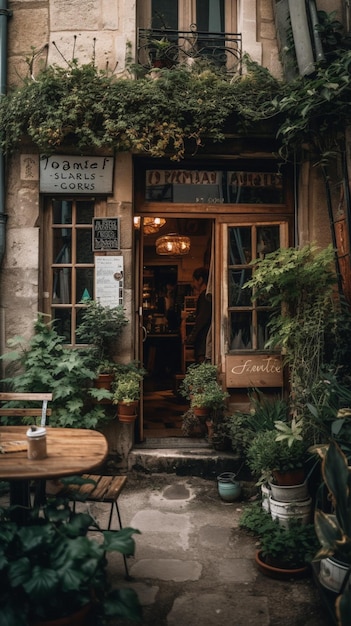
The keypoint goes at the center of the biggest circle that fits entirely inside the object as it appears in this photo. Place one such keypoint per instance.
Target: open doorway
(168, 309)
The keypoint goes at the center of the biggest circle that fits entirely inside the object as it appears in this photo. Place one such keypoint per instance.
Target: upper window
(208, 15)
(172, 31)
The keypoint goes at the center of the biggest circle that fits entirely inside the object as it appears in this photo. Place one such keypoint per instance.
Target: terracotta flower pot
(202, 412)
(280, 573)
(290, 477)
(103, 381)
(127, 408)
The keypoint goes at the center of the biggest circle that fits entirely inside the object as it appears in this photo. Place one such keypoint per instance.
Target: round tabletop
(69, 451)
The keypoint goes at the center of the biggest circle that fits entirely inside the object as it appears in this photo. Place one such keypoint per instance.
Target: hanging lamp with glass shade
(173, 244)
(151, 225)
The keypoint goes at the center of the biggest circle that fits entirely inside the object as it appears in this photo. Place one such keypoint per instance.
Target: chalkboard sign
(106, 233)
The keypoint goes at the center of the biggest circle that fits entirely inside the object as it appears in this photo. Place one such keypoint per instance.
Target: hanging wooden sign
(254, 370)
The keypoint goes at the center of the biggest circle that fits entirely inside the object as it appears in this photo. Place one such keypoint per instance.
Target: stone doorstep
(195, 461)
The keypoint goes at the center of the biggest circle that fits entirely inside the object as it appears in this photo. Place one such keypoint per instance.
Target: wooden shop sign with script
(254, 370)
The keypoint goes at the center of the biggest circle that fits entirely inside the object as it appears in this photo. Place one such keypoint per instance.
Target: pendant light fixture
(151, 225)
(173, 245)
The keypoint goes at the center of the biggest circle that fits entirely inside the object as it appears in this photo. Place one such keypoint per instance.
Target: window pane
(84, 283)
(84, 246)
(237, 295)
(214, 186)
(239, 246)
(262, 329)
(85, 211)
(267, 240)
(62, 322)
(61, 292)
(165, 14)
(255, 188)
(210, 15)
(240, 331)
(62, 253)
(62, 212)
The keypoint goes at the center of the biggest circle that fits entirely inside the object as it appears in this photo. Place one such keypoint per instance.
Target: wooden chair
(43, 412)
(105, 489)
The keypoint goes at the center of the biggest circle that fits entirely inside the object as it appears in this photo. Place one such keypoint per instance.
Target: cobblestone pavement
(193, 564)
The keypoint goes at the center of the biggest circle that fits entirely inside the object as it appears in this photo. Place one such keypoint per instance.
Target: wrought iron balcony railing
(168, 48)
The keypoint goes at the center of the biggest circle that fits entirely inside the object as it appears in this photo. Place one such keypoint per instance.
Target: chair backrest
(41, 412)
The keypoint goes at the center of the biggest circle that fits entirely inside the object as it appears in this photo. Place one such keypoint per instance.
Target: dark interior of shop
(169, 303)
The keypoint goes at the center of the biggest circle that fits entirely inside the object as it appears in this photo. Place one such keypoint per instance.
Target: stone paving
(194, 566)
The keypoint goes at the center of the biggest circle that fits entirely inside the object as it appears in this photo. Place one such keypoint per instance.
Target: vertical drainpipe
(316, 36)
(4, 15)
(302, 38)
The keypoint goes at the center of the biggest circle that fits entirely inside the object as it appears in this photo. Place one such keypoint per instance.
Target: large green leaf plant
(50, 567)
(46, 364)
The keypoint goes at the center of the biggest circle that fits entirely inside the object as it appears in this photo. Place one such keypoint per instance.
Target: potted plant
(333, 528)
(100, 327)
(209, 399)
(197, 377)
(126, 390)
(268, 456)
(163, 53)
(285, 552)
(52, 570)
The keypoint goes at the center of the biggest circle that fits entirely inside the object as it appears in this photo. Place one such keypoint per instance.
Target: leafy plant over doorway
(92, 108)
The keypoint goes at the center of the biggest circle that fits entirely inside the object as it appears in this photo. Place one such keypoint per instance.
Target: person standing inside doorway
(203, 315)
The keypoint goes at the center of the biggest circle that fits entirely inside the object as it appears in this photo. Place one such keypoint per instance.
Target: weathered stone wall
(86, 30)
(83, 29)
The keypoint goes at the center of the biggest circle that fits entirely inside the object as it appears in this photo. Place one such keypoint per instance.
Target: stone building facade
(107, 31)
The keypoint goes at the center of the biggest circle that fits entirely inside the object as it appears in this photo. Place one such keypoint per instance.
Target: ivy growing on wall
(91, 108)
(173, 112)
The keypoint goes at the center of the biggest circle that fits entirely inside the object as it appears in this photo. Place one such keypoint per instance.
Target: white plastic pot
(290, 493)
(332, 573)
(285, 511)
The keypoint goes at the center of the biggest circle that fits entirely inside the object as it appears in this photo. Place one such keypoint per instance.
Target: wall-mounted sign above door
(75, 174)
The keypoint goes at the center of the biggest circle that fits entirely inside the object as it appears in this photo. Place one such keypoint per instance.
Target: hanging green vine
(178, 111)
(91, 108)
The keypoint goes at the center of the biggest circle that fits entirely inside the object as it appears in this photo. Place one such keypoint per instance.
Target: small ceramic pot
(229, 489)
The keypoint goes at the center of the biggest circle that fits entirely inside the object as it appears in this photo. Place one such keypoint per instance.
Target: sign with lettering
(109, 280)
(213, 186)
(75, 174)
(255, 179)
(254, 370)
(106, 233)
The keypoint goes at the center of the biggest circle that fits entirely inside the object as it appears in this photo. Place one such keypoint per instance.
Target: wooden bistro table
(70, 451)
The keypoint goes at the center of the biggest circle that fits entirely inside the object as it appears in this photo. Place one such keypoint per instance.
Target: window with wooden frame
(248, 319)
(68, 260)
(176, 20)
(210, 15)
